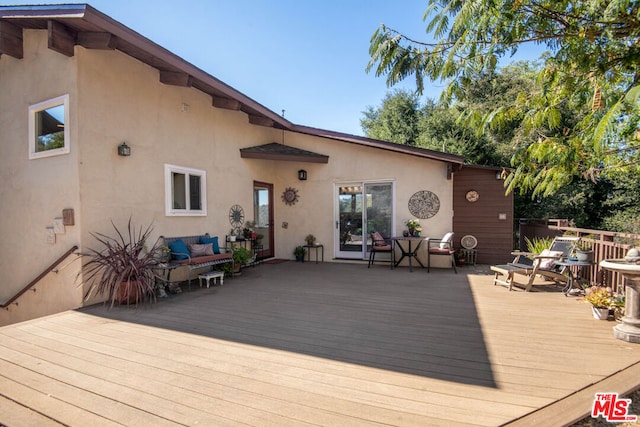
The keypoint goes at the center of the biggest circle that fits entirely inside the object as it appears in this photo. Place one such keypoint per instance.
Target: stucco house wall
(115, 98)
(34, 192)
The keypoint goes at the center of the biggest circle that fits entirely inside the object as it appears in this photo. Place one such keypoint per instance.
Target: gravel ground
(599, 422)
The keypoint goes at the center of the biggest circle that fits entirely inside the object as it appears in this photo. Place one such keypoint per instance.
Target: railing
(37, 279)
(606, 245)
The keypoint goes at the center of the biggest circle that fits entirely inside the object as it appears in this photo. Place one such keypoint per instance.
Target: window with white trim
(185, 191)
(49, 128)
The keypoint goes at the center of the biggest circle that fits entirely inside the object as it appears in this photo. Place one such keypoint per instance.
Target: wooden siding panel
(481, 218)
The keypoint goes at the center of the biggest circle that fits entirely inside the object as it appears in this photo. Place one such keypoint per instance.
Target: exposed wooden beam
(61, 38)
(97, 40)
(11, 40)
(227, 103)
(176, 78)
(260, 120)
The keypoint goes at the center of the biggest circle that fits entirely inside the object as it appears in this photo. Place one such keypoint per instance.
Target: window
(185, 191)
(48, 123)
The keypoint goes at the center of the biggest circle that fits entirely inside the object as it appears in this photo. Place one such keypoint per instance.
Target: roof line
(122, 31)
(93, 16)
(376, 143)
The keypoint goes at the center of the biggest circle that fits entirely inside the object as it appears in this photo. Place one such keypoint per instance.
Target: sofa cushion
(207, 258)
(213, 240)
(201, 249)
(179, 250)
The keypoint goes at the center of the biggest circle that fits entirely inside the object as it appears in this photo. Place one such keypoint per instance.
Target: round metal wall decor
(469, 242)
(424, 204)
(236, 216)
(290, 196)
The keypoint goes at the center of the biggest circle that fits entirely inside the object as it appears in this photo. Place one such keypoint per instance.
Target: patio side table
(316, 247)
(573, 278)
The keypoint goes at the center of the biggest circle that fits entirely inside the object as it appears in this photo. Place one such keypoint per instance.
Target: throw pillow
(179, 250)
(213, 241)
(378, 240)
(547, 263)
(201, 249)
(446, 241)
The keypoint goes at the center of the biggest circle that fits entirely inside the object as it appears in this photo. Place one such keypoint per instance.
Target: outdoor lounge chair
(532, 266)
(379, 244)
(442, 246)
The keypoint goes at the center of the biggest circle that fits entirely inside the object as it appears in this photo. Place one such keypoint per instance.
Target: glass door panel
(362, 208)
(350, 221)
(263, 218)
(379, 209)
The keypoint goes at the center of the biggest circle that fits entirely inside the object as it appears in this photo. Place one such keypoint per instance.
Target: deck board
(319, 344)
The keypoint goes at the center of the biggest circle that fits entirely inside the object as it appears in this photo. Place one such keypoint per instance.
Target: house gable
(82, 25)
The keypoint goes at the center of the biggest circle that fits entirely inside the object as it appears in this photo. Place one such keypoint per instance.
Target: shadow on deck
(415, 323)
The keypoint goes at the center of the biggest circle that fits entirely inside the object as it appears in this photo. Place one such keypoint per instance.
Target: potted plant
(124, 268)
(414, 227)
(584, 251)
(232, 235)
(617, 304)
(600, 299)
(299, 253)
(461, 258)
(310, 239)
(241, 256)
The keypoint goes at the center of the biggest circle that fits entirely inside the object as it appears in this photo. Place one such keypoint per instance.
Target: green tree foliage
(396, 120)
(581, 118)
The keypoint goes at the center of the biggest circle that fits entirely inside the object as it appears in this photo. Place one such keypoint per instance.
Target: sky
(307, 57)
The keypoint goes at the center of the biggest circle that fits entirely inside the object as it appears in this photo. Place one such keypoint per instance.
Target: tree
(396, 120)
(581, 119)
(403, 120)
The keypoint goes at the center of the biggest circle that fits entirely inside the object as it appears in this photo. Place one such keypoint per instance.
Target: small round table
(573, 278)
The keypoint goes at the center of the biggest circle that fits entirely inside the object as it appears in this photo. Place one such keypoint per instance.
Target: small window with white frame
(49, 128)
(185, 191)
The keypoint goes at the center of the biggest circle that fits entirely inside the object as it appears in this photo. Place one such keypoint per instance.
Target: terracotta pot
(127, 292)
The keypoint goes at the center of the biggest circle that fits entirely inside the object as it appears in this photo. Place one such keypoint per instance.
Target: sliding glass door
(361, 208)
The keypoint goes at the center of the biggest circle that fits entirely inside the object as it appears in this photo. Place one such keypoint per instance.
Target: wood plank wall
(482, 218)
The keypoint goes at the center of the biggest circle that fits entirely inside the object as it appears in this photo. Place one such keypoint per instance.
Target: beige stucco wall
(34, 192)
(124, 101)
(115, 98)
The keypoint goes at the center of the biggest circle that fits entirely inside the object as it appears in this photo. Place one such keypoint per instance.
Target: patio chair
(542, 265)
(380, 245)
(440, 247)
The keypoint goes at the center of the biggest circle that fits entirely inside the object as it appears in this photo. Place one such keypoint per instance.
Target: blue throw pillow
(179, 250)
(214, 240)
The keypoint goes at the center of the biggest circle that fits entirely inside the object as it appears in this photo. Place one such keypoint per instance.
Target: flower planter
(600, 313)
(585, 256)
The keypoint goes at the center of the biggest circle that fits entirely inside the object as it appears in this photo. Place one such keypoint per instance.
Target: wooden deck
(326, 344)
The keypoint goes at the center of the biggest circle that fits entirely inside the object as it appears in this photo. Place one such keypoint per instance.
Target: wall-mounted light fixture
(124, 150)
(302, 175)
(499, 175)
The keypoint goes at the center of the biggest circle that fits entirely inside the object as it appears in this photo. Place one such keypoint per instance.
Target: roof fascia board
(44, 11)
(385, 145)
(109, 24)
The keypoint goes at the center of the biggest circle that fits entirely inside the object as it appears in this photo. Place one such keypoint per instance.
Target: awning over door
(275, 151)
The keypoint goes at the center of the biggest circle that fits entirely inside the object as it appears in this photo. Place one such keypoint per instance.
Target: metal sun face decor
(290, 196)
(236, 216)
(424, 204)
